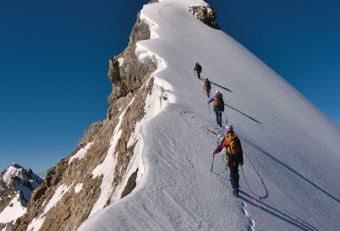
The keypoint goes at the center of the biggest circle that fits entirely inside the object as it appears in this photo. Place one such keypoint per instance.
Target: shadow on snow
(277, 213)
(294, 171)
(243, 113)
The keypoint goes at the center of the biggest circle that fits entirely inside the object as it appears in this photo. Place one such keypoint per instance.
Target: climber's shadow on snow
(224, 88)
(288, 167)
(242, 113)
(289, 218)
(213, 83)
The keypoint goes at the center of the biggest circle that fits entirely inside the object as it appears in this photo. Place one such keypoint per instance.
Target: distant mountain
(16, 186)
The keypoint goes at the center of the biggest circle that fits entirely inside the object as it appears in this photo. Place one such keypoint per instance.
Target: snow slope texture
(292, 145)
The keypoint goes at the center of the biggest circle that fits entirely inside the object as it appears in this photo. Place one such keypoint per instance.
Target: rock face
(206, 14)
(72, 189)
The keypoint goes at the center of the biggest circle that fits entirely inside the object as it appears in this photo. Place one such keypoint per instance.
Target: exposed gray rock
(206, 14)
(131, 184)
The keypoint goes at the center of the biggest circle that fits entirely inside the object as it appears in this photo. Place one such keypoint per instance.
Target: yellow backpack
(234, 144)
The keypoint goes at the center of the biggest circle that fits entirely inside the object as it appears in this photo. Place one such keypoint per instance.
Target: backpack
(198, 67)
(234, 144)
(206, 85)
(218, 101)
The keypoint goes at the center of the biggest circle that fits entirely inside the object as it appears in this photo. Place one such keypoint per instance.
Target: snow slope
(291, 144)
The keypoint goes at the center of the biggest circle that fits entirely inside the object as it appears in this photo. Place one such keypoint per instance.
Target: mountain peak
(16, 186)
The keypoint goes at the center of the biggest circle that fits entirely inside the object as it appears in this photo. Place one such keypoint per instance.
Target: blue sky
(54, 62)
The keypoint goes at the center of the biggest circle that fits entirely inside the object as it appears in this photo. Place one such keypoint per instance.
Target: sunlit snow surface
(292, 145)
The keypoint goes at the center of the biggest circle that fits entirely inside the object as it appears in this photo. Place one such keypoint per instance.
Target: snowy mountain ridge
(282, 133)
(148, 165)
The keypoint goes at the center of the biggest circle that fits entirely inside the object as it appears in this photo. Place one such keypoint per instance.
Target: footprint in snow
(250, 222)
(244, 212)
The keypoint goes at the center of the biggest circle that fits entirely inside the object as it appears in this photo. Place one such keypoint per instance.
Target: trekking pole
(209, 108)
(212, 163)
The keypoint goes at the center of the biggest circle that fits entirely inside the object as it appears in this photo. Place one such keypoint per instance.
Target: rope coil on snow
(254, 195)
(258, 175)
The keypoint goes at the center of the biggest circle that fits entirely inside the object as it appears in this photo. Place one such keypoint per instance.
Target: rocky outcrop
(6, 195)
(206, 14)
(130, 75)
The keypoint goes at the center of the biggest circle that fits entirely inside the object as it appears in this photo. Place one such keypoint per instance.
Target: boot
(235, 192)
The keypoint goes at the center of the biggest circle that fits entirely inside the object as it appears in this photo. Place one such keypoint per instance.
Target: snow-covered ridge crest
(152, 26)
(146, 56)
(178, 191)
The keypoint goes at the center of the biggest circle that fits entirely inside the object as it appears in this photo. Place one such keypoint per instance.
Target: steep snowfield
(292, 145)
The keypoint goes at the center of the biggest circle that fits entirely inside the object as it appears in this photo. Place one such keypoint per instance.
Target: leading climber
(198, 70)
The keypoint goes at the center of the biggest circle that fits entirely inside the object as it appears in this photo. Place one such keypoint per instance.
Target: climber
(218, 106)
(207, 87)
(234, 156)
(198, 70)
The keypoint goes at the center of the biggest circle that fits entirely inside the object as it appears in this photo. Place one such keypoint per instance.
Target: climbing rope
(258, 175)
(254, 195)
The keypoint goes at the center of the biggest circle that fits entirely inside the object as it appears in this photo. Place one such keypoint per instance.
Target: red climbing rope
(254, 195)
(264, 187)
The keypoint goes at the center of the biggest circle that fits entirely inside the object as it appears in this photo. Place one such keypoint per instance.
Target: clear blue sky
(54, 62)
